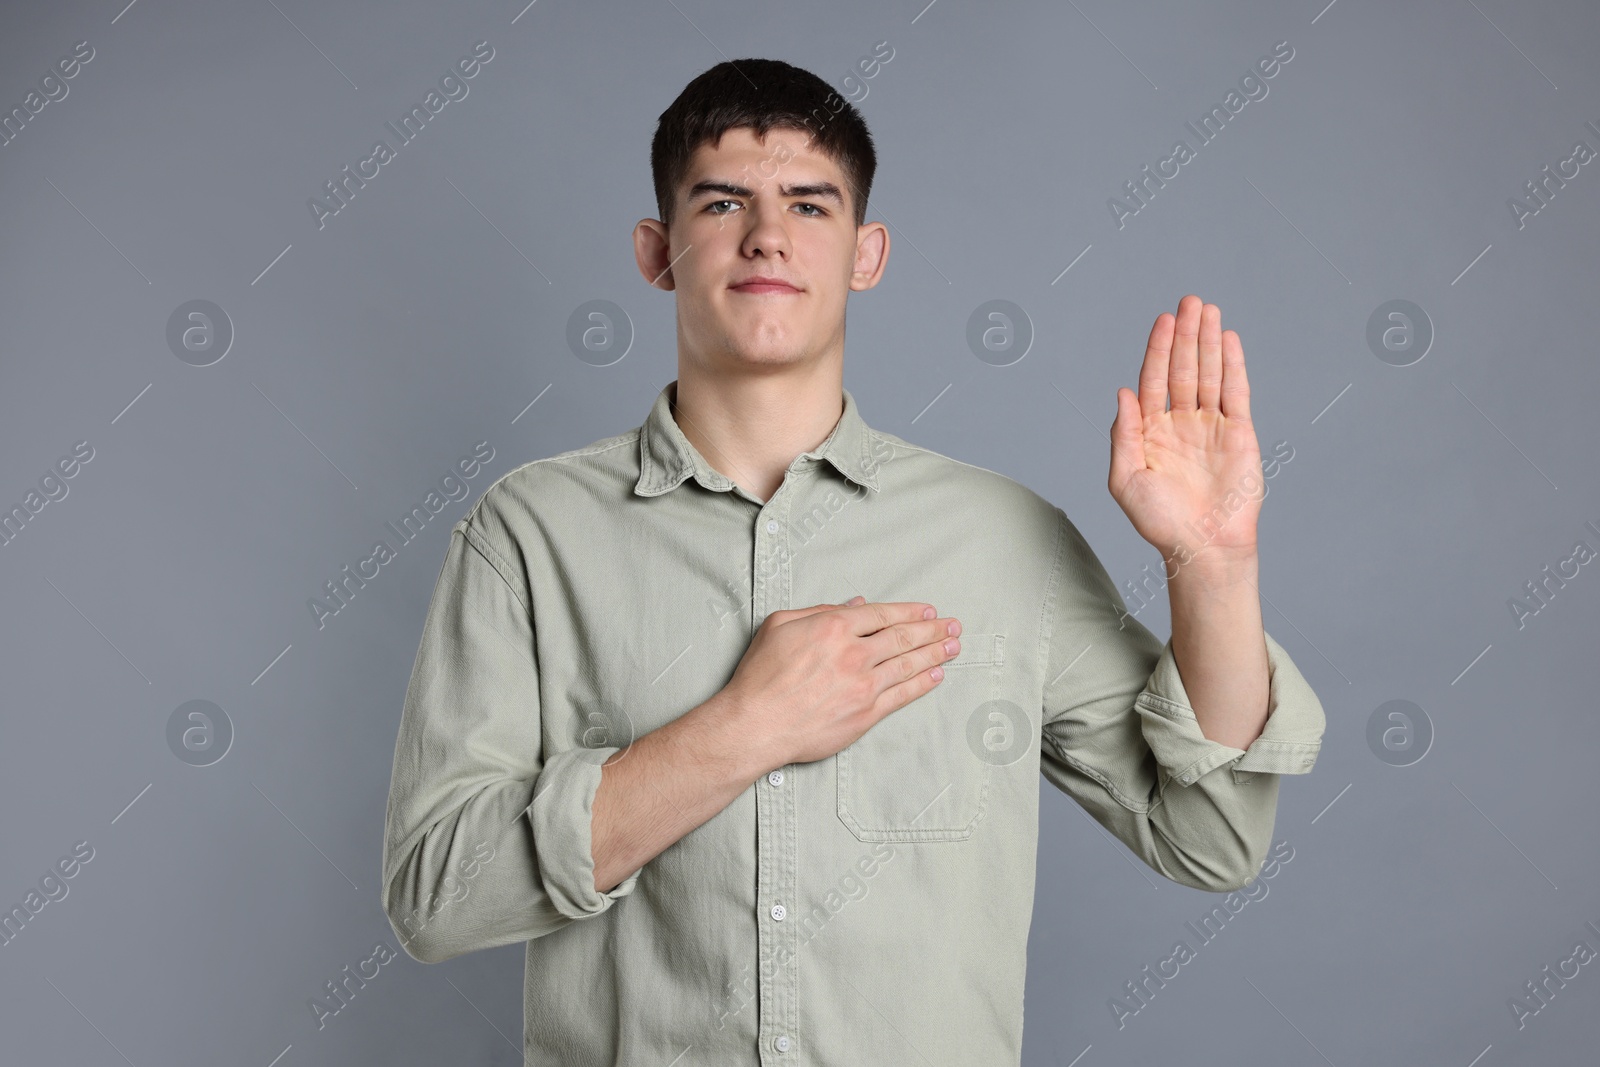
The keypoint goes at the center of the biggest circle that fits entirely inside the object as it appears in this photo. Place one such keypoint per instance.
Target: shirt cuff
(1288, 744)
(561, 814)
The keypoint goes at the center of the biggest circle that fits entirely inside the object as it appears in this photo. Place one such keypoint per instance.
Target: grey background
(431, 312)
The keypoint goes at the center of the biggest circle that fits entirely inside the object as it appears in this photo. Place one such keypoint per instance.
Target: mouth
(757, 286)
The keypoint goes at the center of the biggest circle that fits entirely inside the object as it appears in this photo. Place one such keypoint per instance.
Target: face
(762, 253)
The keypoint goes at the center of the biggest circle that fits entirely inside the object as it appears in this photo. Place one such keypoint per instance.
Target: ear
(872, 255)
(652, 251)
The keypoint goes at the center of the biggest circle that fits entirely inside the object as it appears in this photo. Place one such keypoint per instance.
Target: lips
(761, 284)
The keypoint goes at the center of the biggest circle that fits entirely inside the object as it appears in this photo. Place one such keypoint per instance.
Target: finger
(892, 641)
(871, 617)
(1235, 386)
(1153, 372)
(1183, 368)
(1208, 380)
(789, 614)
(899, 695)
(909, 665)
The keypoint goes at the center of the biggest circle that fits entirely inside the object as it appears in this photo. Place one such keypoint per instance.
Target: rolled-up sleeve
(561, 816)
(486, 841)
(1288, 743)
(1120, 736)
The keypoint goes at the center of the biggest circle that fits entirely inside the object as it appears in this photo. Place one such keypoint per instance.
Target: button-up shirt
(868, 908)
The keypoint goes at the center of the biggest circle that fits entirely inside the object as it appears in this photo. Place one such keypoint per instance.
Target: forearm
(1220, 646)
(668, 782)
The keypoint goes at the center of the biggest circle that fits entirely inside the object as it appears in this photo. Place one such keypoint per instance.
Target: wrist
(727, 733)
(1214, 567)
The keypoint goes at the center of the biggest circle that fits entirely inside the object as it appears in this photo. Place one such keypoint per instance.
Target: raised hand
(1189, 479)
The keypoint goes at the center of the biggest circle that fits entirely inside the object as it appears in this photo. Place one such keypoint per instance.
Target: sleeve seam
(1291, 747)
(480, 544)
(1110, 787)
(1172, 709)
(1047, 634)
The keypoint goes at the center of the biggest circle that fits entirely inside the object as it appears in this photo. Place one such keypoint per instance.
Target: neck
(750, 427)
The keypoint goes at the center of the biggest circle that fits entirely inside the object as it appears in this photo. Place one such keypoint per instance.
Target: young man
(737, 718)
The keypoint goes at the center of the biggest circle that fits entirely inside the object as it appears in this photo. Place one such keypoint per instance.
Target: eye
(714, 203)
(820, 212)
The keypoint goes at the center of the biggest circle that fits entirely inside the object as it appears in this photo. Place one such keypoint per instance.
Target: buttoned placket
(777, 816)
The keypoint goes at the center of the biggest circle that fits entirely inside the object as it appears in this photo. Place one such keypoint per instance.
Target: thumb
(1127, 439)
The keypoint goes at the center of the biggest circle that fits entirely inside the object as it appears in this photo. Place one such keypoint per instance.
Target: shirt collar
(666, 458)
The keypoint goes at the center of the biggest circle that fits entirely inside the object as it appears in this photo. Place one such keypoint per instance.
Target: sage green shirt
(869, 908)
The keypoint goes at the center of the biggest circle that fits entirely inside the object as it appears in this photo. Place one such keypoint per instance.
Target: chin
(766, 355)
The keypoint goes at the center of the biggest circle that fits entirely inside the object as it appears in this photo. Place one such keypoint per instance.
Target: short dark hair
(760, 94)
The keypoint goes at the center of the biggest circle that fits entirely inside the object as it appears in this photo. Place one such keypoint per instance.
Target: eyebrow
(823, 190)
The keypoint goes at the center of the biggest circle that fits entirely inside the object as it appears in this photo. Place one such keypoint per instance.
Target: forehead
(782, 147)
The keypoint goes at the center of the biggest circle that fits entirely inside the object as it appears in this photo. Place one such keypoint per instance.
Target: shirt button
(782, 1044)
(778, 912)
(776, 777)
(772, 526)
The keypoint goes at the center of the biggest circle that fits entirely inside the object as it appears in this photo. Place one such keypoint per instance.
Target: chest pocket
(913, 776)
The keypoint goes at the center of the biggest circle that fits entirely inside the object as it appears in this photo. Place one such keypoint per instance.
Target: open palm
(1189, 479)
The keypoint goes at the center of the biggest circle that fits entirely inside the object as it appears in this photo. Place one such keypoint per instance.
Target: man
(736, 718)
